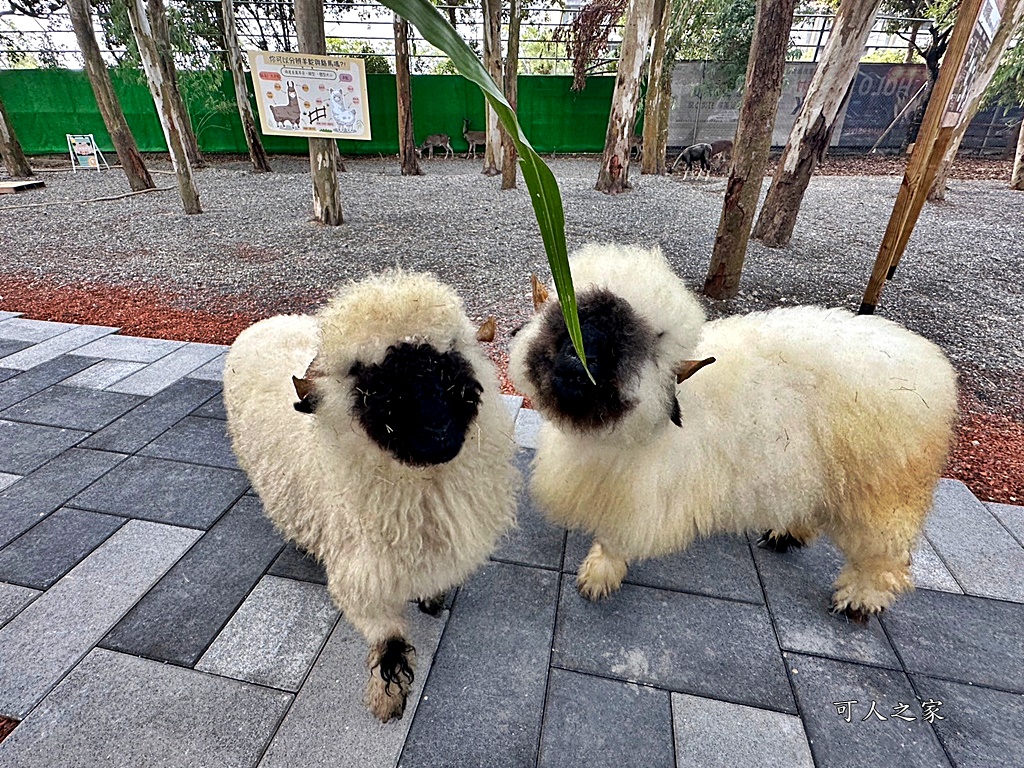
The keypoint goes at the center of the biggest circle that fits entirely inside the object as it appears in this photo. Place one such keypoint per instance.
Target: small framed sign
(85, 155)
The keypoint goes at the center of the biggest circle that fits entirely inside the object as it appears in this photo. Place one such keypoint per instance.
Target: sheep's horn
(540, 293)
(687, 368)
(303, 387)
(487, 329)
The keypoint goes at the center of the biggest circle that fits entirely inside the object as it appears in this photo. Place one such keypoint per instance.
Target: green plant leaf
(540, 181)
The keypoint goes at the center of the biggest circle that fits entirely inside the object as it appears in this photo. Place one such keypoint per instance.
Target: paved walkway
(150, 616)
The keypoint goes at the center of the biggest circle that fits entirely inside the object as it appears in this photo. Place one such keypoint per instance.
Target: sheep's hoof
(433, 606)
(391, 675)
(778, 542)
(856, 615)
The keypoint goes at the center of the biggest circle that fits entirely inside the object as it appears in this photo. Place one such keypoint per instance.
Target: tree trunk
(403, 82)
(492, 60)
(912, 44)
(509, 155)
(162, 35)
(110, 108)
(233, 55)
(323, 153)
(10, 149)
(1013, 14)
(1017, 180)
(659, 94)
(812, 131)
(753, 141)
(614, 174)
(160, 87)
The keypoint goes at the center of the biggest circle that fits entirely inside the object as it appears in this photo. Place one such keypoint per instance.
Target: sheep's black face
(418, 403)
(617, 342)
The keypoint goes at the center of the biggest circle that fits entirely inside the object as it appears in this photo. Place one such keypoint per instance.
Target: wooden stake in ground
(1017, 181)
(233, 54)
(492, 60)
(160, 87)
(110, 108)
(812, 131)
(753, 141)
(403, 83)
(614, 174)
(10, 148)
(1013, 14)
(323, 153)
(932, 140)
(659, 94)
(162, 35)
(509, 155)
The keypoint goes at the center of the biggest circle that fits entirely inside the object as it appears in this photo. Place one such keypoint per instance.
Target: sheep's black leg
(391, 665)
(778, 542)
(433, 606)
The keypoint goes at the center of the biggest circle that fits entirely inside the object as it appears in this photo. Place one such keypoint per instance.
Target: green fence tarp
(46, 104)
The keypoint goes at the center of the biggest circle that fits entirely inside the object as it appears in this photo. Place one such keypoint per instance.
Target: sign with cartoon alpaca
(304, 94)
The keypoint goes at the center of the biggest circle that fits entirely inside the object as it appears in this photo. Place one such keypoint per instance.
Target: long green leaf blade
(540, 181)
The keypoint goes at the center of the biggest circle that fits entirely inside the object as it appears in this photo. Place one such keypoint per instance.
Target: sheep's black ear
(677, 415)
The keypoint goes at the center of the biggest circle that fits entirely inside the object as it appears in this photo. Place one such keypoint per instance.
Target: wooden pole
(10, 148)
(233, 54)
(403, 83)
(492, 60)
(509, 155)
(653, 158)
(162, 36)
(932, 140)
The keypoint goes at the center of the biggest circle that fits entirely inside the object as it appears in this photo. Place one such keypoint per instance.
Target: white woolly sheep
(394, 468)
(809, 421)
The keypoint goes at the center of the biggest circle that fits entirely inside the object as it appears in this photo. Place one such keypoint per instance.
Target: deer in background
(473, 138)
(636, 146)
(290, 112)
(438, 140)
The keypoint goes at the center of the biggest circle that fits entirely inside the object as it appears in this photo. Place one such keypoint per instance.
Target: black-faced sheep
(808, 421)
(388, 458)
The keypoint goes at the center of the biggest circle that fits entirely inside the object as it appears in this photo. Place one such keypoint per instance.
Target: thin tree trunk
(812, 131)
(323, 153)
(753, 140)
(1017, 180)
(614, 174)
(1013, 13)
(160, 88)
(912, 44)
(653, 157)
(509, 155)
(492, 60)
(110, 108)
(403, 82)
(233, 55)
(162, 35)
(10, 148)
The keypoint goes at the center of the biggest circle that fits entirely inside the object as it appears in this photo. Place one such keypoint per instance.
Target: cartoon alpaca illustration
(344, 115)
(290, 112)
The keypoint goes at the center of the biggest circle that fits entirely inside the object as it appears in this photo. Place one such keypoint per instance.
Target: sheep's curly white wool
(387, 532)
(810, 421)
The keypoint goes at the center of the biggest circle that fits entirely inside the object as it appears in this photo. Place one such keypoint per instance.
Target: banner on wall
(304, 94)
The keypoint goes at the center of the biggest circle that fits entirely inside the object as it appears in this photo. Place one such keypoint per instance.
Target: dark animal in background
(438, 140)
(473, 138)
(636, 147)
(721, 154)
(698, 153)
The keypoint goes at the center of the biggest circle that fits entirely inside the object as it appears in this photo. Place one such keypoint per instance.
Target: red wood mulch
(6, 726)
(988, 456)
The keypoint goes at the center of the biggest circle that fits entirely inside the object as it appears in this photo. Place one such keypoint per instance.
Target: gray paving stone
(149, 420)
(33, 497)
(26, 447)
(197, 441)
(213, 370)
(275, 635)
(986, 560)
(179, 618)
(860, 743)
(72, 407)
(167, 370)
(212, 408)
(8, 373)
(54, 546)
(329, 725)
(8, 479)
(129, 348)
(527, 428)
(718, 734)
(23, 329)
(103, 374)
(1012, 518)
(798, 584)
(928, 570)
(978, 727)
(294, 564)
(10, 346)
(113, 709)
(720, 566)
(13, 598)
(165, 492)
(74, 613)
(534, 541)
(512, 403)
(596, 722)
(27, 383)
(686, 643)
(959, 637)
(54, 347)
(485, 694)
(9, 315)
